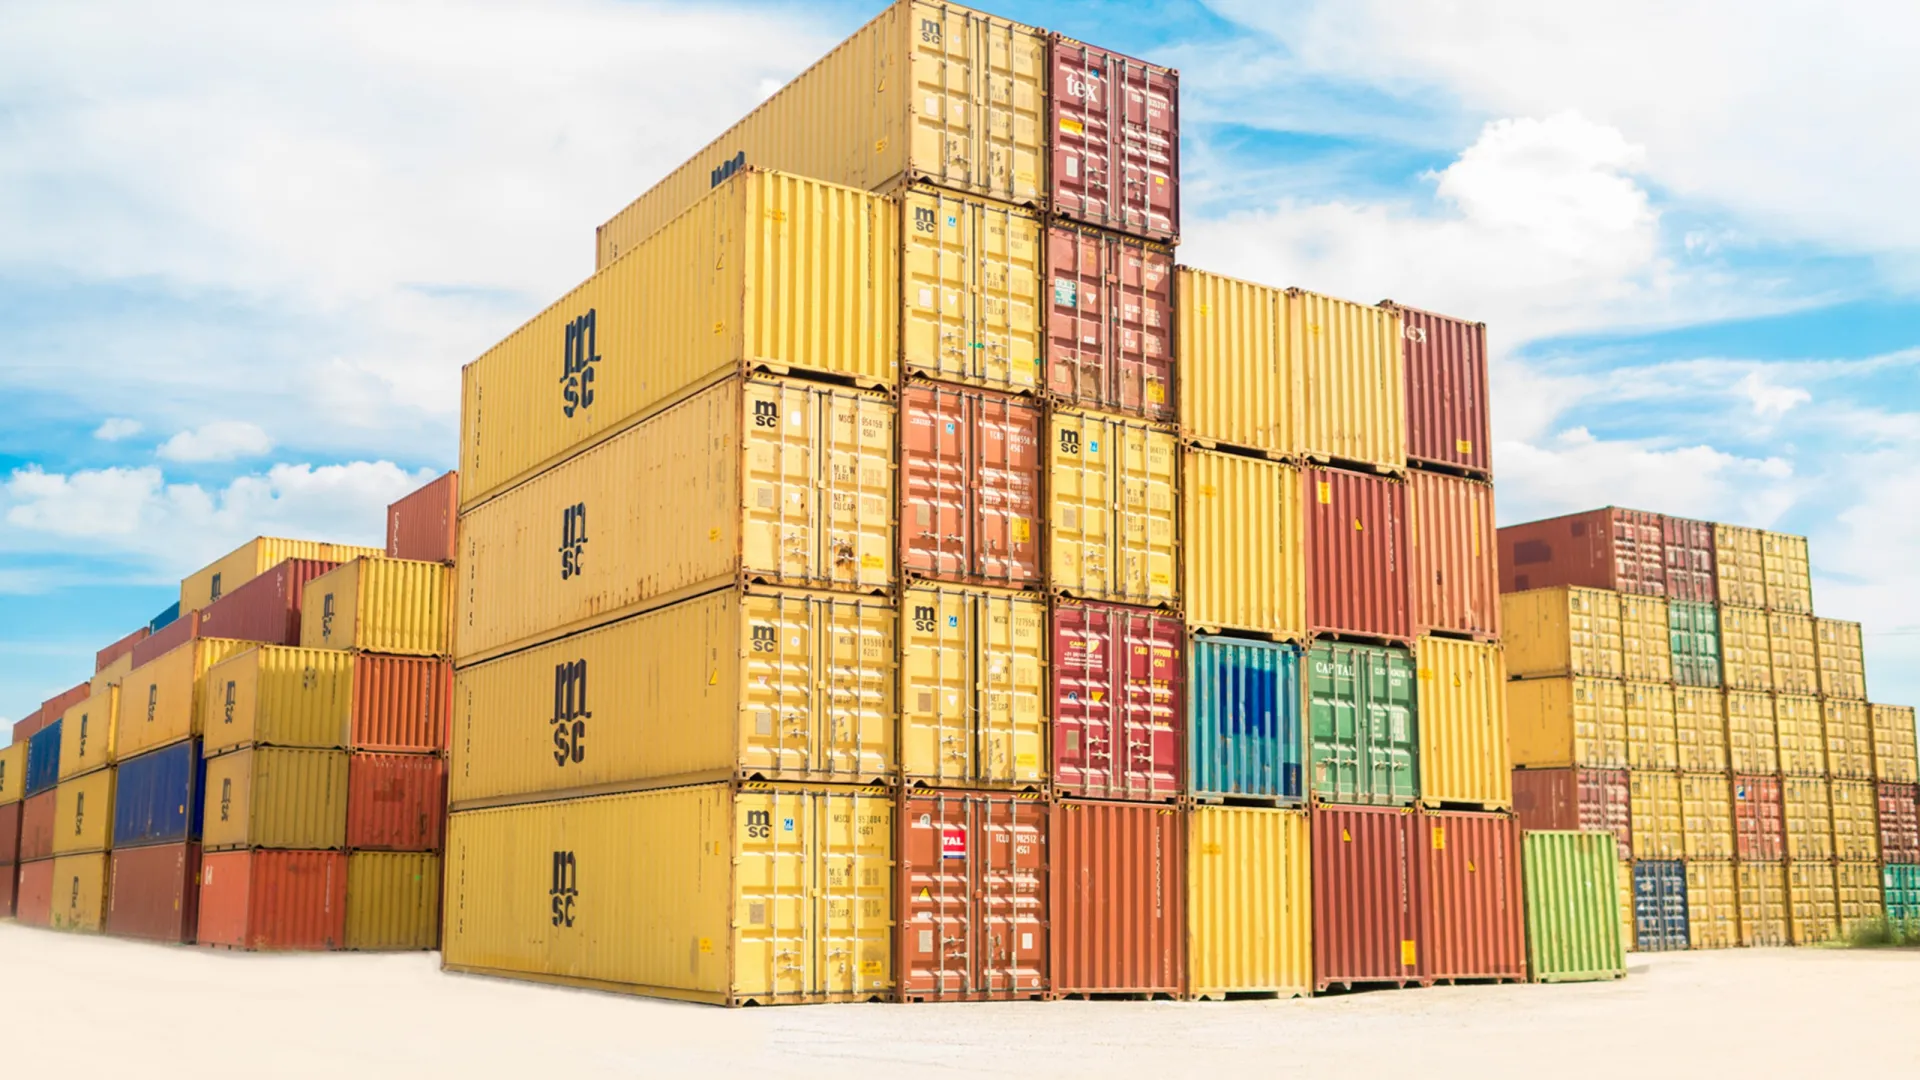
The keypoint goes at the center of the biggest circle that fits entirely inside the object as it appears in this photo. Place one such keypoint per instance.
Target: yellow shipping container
(1464, 748)
(1783, 559)
(86, 734)
(1707, 803)
(1848, 726)
(1893, 745)
(973, 687)
(1753, 743)
(1249, 902)
(1763, 904)
(759, 894)
(1713, 905)
(1561, 722)
(1700, 728)
(1658, 816)
(393, 901)
(83, 813)
(1802, 733)
(1843, 669)
(1790, 648)
(160, 699)
(1807, 803)
(970, 298)
(926, 90)
(1739, 567)
(1646, 642)
(396, 607)
(253, 558)
(1562, 631)
(1856, 820)
(276, 797)
(1355, 408)
(13, 773)
(1857, 888)
(1629, 930)
(80, 885)
(1241, 385)
(769, 480)
(274, 695)
(1115, 518)
(113, 674)
(1813, 904)
(1652, 738)
(755, 683)
(1746, 655)
(1245, 556)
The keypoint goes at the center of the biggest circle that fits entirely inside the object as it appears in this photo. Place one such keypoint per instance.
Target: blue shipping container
(43, 759)
(156, 796)
(1244, 739)
(1660, 904)
(161, 620)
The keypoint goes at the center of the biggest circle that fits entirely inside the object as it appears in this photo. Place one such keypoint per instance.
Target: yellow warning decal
(1464, 446)
(926, 893)
(1408, 956)
(1072, 126)
(706, 944)
(1346, 837)
(1326, 493)
(1439, 838)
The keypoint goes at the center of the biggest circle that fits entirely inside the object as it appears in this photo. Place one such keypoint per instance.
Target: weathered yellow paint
(395, 607)
(1739, 568)
(1807, 802)
(1114, 487)
(1652, 739)
(1848, 727)
(973, 687)
(278, 696)
(113, 674)
(276, 797)
(1249, 902)
(1659, 816)
(1562, 631)
(1350, 360)
(1802, 732)
(1843, 671)
(1790, 646)
(80, 892)
(1646, 642)
(1893, 745)
(1700, 728)
(160, 699)
(1746, 653)
(83, 813)
(1783, 560)
(1813, 904)
(1763, 904)
(1245, 557)
(1859, 900)
(86, 734)
(1240, 384)
(970, 301)
(1713, 905)
(1856, 820)
(1568, 721)
(1706, 802)
(1753, 743)
(253, 558)
(1464, 745)
(393, 901)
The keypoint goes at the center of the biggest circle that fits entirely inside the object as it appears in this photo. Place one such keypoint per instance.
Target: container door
(938, 842)
(777, 456)
(1334, 720)
(1011, 891)
(1153, 693)
(1392, 743)
(1080, 327)
(1245, 717)
(856, 491)
(1140, 281)
(856, 705)
(778, 655)
(1083, 699)
(937, 722)
(1004, 476)
(978, 101)
(1148, 523)
(1660, 905)
(1115, 141)
(1011, 659)
(935, 475)
(1082, 489)
(773, 918)
(852, 892)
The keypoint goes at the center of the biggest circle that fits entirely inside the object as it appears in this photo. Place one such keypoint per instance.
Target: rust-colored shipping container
(1474, 926)
(104, 659)
(37, 816)
(25, 727)
(1109, 302)
(973, 896)
(401, 704)
(9, 833)
(396, 802)
(265, 609)
(1119, 701)
(424, 526)
(56, 706)
(1369, 892)
(1356, 554)
(1449, 417)
(1587, 800)
(1689, 556)
(33, 896)
(1115, 133)
(1453, 584)
(9, 889)
(1899, 823)
(154, 893)
(169, 637)
(273, 900)
(1611, 548)
(969, 485)
(1118, 898)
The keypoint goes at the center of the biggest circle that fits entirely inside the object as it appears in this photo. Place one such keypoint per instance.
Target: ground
(87, 1006)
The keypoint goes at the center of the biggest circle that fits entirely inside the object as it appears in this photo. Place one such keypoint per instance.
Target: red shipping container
(265, 608)
(1589, 800)
(1759, 819)
(396, 802)
(1119, 701)
(1369, 889)
(9, 889)
(106, 656)
(1691, 570)
(1453, 585)
(1899, 823)
(56, 706)
(424, 526)
(973, 896)
(970, 485)
(33, 895)
(10, 834)
(1622, 550)
(25, 727)
(1356, 555)
(154, 893)
(36, 826)
(169, 637)
(401, 704)
(1449, 419)
(1109, 323)
(1115, 132)
(1119, 898)
(273, 899)
(1474, 927)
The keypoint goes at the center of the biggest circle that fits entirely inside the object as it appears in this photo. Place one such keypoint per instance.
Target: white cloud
(1771, 402)
(221, 440)
(116, 428)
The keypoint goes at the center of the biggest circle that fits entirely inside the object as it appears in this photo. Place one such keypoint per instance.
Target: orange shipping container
(291, 900)
(1454, 584)
(969, 485)
(1119, 895)
(396, 802)
(401, 704)
(423, 526)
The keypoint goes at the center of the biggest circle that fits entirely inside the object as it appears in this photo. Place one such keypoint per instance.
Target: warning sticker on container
(1325, 493)
(1022, 530)
(1156, 393)
(953, 841)
(1439, 838)
(1065, 292)
(870, 967)
(1026, 761)
(872, 562)
(1464, 446)
(1408, 956)
(1072, 126)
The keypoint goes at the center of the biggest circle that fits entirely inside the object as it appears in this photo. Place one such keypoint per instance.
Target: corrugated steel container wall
(1738, 568)
(1629, 921)
(1856, 820)
(1462, 706)
(25, 728)
(160, 701)
(765, 684)
(1109, 338)
(157, 796)
(1356, 554)
(1369, 891)
(1706, 804)
(43, 759)
(1249, 902)
(276, 797)
(1453, 582)
(1753, 743)
(1115, 514)
(83, 814)
(1363, 737)
(1843, 672)
(154, 893)
(1241, 386)
(266, 609)
(1584, 800)
(1796, 670)
(1763, 904)
(1244, 721)
(1813, 903)
(973, 894)
(1899, 822)
(1660, 905)
(1114, 129)
(1802, 733)
(925, 91)
(114, 673)
(1119, 702)
(106, 657)
(39, 825)
(9, 833)
(79, 893)
(393, 901)
(86, 741)
(424, 526)
(9, 889)
(273, 900)
(1652, 739)
(1901, 885)
(1700, 726)
(1449, 416)
(165, 618)
(1849, 732)
(970, 290)
(1646, 642)
(1690, 564)
(1245, 549)
(1119, 898)
(1610, 548)
(396, 802)
(1807, 805)
(1572, 907)
(1693, 632)
(1894, 757)
(380, 605)
(277, 696)
(56, 706)
(13, 773)
(401, 704)
(1857, 885)
(33, 900)
(969, 486)
(250, 560)
(772, 480)
(1475, 927)
(767, 895)
(1759, 822)
(1562, 631)
(1560, 722)
(1783, 560)
(1746, 654)
(1713, 905)
(973, 688)
(1659, 817)
(1349, 355)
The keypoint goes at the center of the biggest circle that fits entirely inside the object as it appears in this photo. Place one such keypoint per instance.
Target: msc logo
(759, 824)
(924, 220)
(923, 618)
(232, 692)
(570, 713)
(226, 797)
(576, 371)
(326, 617)
(83, 735)
(565, 889)
(766, 414)
(573, 540)
(215, 591)
(153, 700)
(1069, 442)
(726, 169)
(764, 640)
(929, 31)
(79, 811)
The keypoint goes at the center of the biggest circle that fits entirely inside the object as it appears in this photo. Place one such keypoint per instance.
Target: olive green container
(1573, 906)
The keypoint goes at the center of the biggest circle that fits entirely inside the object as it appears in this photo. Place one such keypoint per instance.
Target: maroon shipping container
(1109, 323)
(265, 608)
(396, 802)
(273, 899)
(155, 893)
(106, 656)
(33, 895)
(973, 896)
(1119, 701)
(1759, 819)
(1474, 927)
(401, 704)
(1369, 888)
(1689, 559)
(1115, 129)
(1592, 800)
(1899, 823)
(969, 485)
(1356, 555)
(36, 826)
(1453, 585)
(1449, 420)
(424, 526)
(10, 833)
(9, 889)
(1622, 550)
(56, 706)
(25, 727)
(1119, 898)
(169, 637)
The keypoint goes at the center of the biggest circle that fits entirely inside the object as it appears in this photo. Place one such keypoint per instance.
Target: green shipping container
(1573, 906)
(1695, 630)
(1363, 717)
(1902, 881)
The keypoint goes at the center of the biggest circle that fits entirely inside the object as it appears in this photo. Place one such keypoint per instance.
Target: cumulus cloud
(222, 440)
(116, 428)
(1771, 402)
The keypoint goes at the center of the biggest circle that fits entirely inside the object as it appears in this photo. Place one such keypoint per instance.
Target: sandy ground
(96, 1007)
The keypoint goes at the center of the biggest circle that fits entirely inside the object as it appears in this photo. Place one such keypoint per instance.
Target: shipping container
(1453, 583)
(1801, 729)
(1857, 888)
(248, 561)
(1660, 905)
(1355, 407)
(1806, 804)
(757, 895)
(1738, 569)
(1474, 924)
(160, 700)
(969, 486)
(970, 290)
(1746, 653)
(1791, 651)
(43, 759)
(276, 797)
(9, 888)
(83, 814)
(1583, 800)
(1572, 907)
(1706, 806)
(1562, 631)
(1369, 894)
(1848, 727)
(423, 526)
(1356, 551)
(1560, 722)
(1115, 518)
(27, 726)
(33, 898)
(1694, 641)
(1843, 672)
(1462, 720)
(1659, 815)
(1899, 807)
(1690, 564)
(1700, 728)
(393, 901)
(79, 893)
(273, 900)
(1759, 819)
(396, 802)
(1713, 905)
(1244, 742)
(56, 706)
(39, 825)
(1646, 643)
(1628, 908)
(1114, 130)
(1652, 735)
(9, 833)
(1893, 744)
(1242, 385)
(277, 696)
(1249, 902)
(401, 704)
(266, 609)
(925, 91)
(1901, 889)
(1119, 702)
(1764, 911)
(13, 773)
(1109, 329)
(1783, 559)
(166, 639)
(86, 742)
(157, 796)
(769, 480)
(154, 893)
(973, 688)
(973, 894)
(1856, 820)
(1753, 743)
(1118, 899)
(165, 618)
(110, 655)
(380, 605)
(114, 673)
(1245, 556)
(1363, 733)
(1618, 550)
(1449, 422)
(1812, 903)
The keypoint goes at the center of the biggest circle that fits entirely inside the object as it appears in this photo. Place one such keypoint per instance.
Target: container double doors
(970, 486)
(1361, 705)
(1660, 905)
(1119, 701)
(973, 687)
(973, 881)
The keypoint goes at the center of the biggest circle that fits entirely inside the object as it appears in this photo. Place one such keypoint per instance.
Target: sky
(245, 249)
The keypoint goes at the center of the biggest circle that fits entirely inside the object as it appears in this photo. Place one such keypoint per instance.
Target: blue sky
(244, 251)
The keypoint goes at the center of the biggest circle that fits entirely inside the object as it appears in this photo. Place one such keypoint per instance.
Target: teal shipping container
(1362, 724)
(1695, 632)
(1573, 906)
(1902, 885)
(1243, 716)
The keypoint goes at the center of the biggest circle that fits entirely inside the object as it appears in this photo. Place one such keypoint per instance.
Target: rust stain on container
(1109, 302)
(1611, 548)
(1453, 583)
(154, 893)
(1584, 800)
(1369, 891)
(1115, 132)
(1449, 418)
(973, 896)
(1119, 701)
(396, 802)
(969, 485)
(273, 900)
(424, 526)
(401, 704)
(1473, 926)
(1759, 825)
(1356, 554)
(1119, 898)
